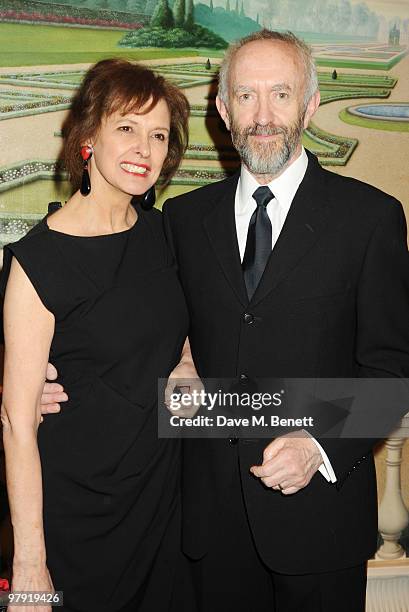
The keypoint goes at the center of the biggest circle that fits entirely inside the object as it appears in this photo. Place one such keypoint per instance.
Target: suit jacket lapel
(304, 224)
(220, 226)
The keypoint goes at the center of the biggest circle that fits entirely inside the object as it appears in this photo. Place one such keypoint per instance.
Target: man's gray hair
(303, 50)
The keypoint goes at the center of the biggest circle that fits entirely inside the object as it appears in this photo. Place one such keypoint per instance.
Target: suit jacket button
(248, 318)
(233, 441)
(243, 379)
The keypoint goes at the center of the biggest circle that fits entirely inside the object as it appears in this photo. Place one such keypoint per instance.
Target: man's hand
(53, 393)
(184, 379)
(289, 463)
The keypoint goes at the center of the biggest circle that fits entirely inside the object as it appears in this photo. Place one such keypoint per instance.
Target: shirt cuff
(325, 468)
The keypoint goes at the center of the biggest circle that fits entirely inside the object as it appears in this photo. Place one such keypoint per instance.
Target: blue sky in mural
(364, 18)
(272, 9)
(387, 8)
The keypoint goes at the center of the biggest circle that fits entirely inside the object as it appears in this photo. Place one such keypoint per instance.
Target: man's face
(266, 114)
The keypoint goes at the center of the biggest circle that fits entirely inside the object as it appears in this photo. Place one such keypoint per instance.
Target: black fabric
(233, 576)
(111, 487)
(337, 591)
(259, 240)
(333, 302)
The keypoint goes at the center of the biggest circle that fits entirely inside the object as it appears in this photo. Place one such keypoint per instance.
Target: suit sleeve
(382, 335)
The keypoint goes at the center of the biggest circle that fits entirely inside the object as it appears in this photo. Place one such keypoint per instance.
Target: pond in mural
(389, 112)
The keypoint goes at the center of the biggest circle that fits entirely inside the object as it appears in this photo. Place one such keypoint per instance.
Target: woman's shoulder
(37, 236)
(34, 252)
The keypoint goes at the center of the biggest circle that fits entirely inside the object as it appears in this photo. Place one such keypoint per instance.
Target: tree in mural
(211, 5)
(128, 5)
(237, 6)
(173, 25)
(190, 16)
(179, 13)
(150, 7)
(228, 5)
(163, 16)
(242, 13)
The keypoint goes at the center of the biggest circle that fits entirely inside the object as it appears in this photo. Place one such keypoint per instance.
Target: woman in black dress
(94, 494)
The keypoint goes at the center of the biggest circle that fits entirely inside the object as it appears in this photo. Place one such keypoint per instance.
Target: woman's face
(130, 149)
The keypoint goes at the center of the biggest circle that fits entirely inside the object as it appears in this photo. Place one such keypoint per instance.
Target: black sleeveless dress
(111, 487)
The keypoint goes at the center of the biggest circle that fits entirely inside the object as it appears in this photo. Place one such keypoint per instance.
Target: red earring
(86, 153)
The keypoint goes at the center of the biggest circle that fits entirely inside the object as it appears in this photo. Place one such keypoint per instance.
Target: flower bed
(28, 170)
(54, 13)
(340, 153)
(17, 103)
(66, 20)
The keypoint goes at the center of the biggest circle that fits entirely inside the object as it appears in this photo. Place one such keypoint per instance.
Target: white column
(393, 514)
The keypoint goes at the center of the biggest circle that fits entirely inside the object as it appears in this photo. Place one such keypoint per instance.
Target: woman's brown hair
(118, 85)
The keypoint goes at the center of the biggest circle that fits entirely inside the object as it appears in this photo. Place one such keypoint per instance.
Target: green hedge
(175, 37)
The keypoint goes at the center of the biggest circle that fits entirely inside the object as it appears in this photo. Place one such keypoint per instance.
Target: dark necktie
(258, 244)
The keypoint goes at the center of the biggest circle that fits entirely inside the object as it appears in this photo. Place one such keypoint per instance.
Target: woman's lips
(135, 169)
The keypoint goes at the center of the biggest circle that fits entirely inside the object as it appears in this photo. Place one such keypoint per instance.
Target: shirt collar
(283, 187)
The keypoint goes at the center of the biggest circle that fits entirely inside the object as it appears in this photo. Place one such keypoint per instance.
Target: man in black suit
(288, 271)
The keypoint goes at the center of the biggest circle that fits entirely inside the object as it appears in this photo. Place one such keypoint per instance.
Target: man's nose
(264, 112)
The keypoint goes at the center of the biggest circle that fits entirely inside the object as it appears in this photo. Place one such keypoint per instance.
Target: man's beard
(268, 157)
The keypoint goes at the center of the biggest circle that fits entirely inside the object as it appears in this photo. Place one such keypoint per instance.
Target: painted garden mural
(361, 48)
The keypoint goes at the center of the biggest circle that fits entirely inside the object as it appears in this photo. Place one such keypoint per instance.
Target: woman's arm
(28, 331)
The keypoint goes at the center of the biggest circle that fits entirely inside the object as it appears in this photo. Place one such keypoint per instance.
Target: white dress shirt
(284, 189)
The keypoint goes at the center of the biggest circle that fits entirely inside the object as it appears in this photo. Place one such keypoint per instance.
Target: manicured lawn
(351, 93)
(375, 124)
(28, 45)
(316, 147)
(359, 64)
(363, 80)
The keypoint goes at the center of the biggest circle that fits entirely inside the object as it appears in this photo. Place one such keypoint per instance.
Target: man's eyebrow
(249, 89)
(280, 86)
(243, 89)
